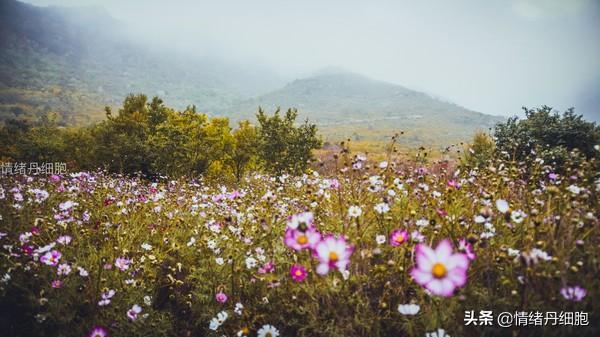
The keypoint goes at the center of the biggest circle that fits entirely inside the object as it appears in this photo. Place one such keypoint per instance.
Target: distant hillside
(349, 105)
(75, 60)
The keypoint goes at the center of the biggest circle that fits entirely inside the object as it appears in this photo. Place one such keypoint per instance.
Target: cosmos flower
(502, 205)
(57, 284)
(465, 247)
(268, 330)
(380, 239)
(64, 239)
(98, 331)
(221, 297)
(409, 309)
(133, 312)
(105, 297)
(574, 189)
(216, 322)
(298, 273)
(63, 269)
(354, 211)
(51, 258)
(439, 333)
(301, 221)
(575, 293)
(238, 308)
(332, 252)
(382, 208)
(441, 270)
(299, 240)
(398, 237)
(122, 263)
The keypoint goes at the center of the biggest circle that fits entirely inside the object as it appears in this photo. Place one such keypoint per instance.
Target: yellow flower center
(302, 239)
(439, 270)
(400, 238)
(333, 257)
(298, 272)
(268, 334)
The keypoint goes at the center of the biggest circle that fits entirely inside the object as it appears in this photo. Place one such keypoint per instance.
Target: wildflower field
(366, 249)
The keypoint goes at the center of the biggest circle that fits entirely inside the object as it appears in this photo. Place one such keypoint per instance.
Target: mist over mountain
(68, 59)
(73, 61)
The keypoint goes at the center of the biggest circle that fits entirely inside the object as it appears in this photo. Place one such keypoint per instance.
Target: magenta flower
(465, 247)
(56, 284)
(575, 294)
(298, 273)
(133, 312)
(122, 263)
(98, 331)
(298, 240)
(332, 252)
(221, 297)
(51, 258)
(441, 270)
(267, 268)
(398, 237)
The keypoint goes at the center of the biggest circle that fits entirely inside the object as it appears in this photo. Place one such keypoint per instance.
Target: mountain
(76, 60)
(345, 104)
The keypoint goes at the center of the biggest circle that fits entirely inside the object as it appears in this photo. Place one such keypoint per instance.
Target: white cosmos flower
(574, 189)
(380, 239)
(439, 333)
(354, 211)
(502, 205)
(146, 246)
(422, 222)
(216, 322)
(268, 330)
(382, 208)
(409, 309)
(250, 262)
(517, 216)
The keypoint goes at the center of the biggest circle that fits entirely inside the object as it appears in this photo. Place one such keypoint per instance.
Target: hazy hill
(345, 104)
(75, 60)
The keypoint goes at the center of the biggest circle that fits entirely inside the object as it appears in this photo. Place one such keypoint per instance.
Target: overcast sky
(492, 56)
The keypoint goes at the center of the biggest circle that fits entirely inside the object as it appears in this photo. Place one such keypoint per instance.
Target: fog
(492, 56)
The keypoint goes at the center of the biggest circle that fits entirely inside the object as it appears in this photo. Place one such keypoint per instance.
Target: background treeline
(543, 134)
(150, 138)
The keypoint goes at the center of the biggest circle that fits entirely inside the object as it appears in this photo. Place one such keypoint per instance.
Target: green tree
(245, 149)
(284, 147)
(548, 135)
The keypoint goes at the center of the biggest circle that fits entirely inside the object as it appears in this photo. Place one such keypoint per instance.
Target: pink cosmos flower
(221, 297)
(465, 247)
(267, 268)
(441, 270)
(575, 294)
(106, 297)
(298, 273)
(332, 252)
(122, 263)
(298, 240)
(398, 237)
(64, 269)
(51, 258)
(133, 312)
(57, 284)
(453, 183)
(98, 331)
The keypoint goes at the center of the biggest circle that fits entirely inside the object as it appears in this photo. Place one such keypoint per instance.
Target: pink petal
(457, 260)
(458, 276)
(425, 257)
(323, 269)
(420, 276)
(443, 251)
